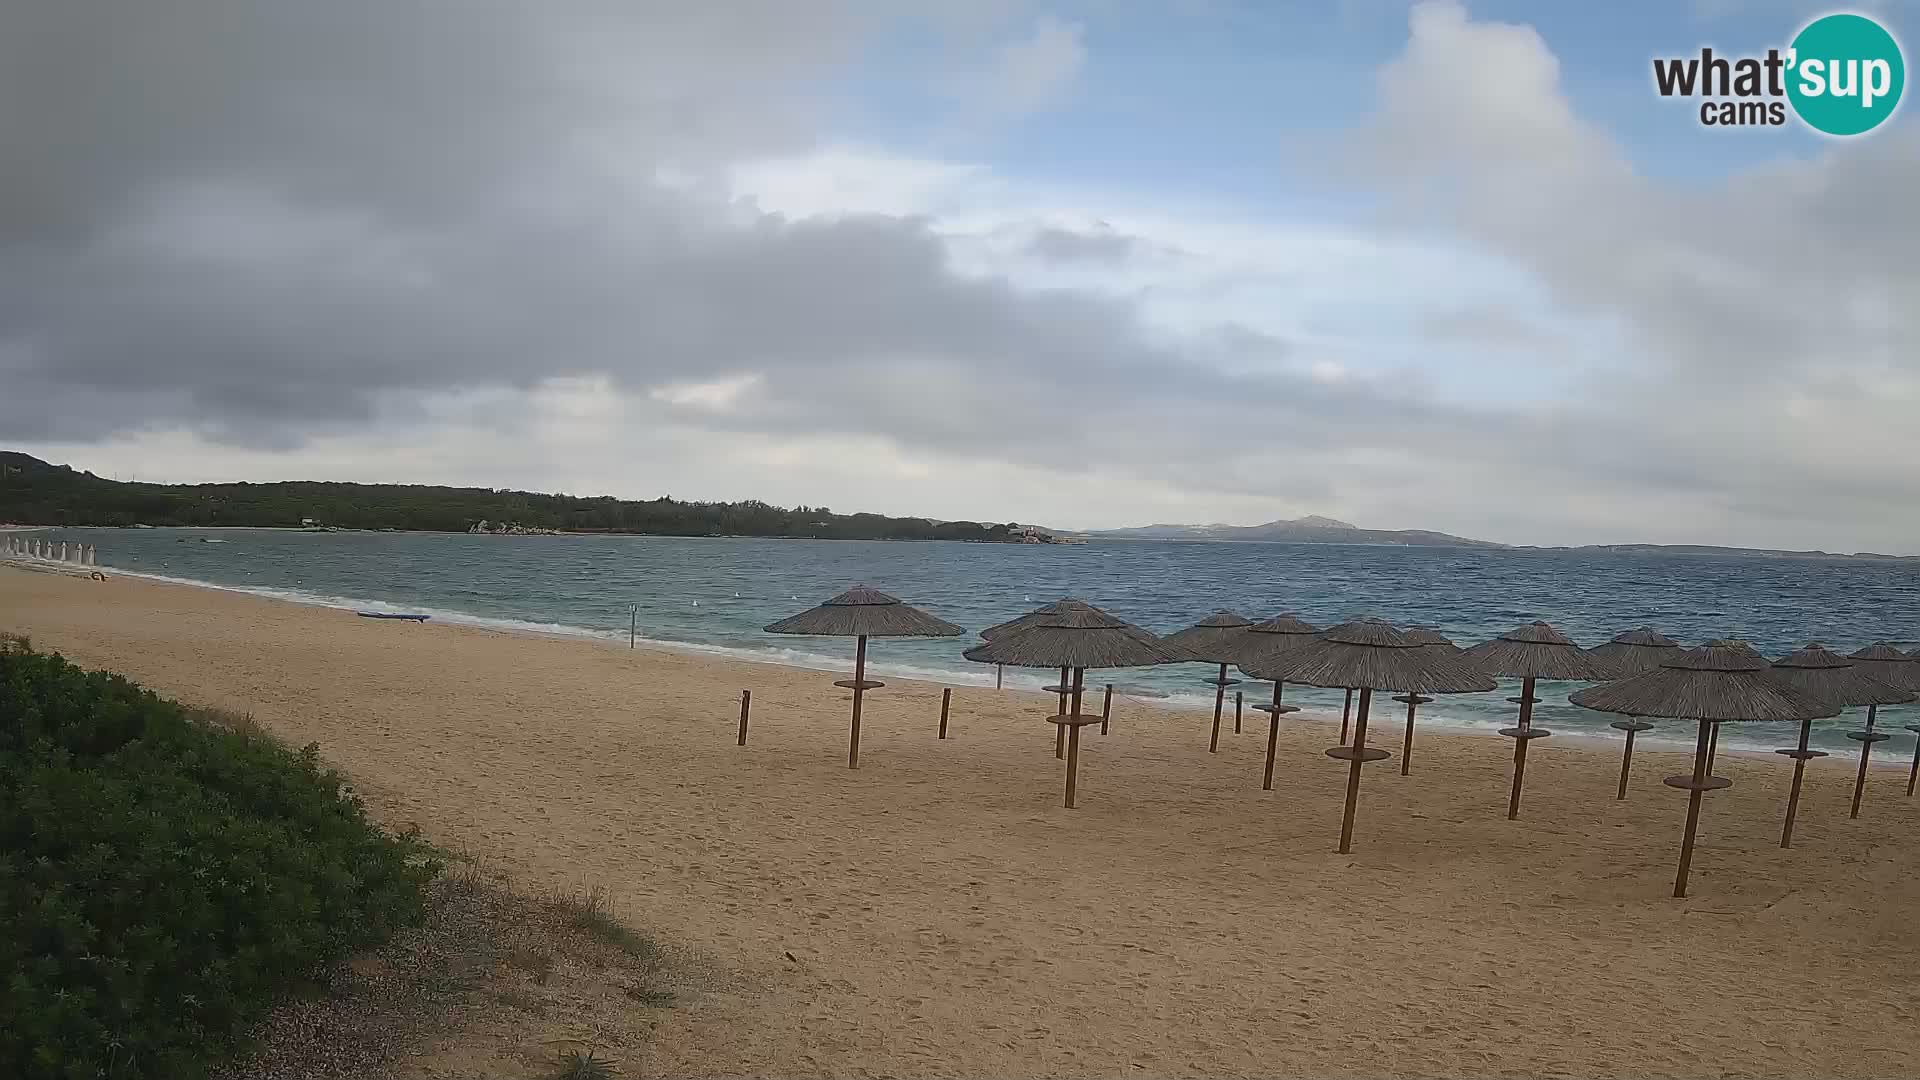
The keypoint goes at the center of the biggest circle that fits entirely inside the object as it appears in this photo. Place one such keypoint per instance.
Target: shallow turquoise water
(715, 595)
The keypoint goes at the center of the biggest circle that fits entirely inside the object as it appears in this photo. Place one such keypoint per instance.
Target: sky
(1449, 264)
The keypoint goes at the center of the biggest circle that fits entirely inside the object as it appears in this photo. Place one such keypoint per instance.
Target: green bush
(163, 881)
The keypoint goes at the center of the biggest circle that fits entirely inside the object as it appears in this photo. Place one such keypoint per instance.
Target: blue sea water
(715, 594)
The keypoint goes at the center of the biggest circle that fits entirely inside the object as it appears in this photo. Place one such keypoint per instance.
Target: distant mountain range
(1325, 530)
(1306, 530)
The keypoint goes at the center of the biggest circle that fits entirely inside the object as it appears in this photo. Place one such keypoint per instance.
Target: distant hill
(1305, 530)
(1709, 549)
(34, 492)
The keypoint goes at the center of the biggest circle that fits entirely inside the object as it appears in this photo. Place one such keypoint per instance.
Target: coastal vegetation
(167, 874)
(34, 492)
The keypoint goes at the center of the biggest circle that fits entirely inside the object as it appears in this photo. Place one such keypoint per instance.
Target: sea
(714, 595)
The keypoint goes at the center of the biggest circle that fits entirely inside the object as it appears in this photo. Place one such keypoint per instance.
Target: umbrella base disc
(1058, 689)
(1525, 733)
(1631, 725)
(1687, 783)
(859, 684)
(1365, 753)
(1526, 700)
(1069, 720)
(1868, 736)
(1412, 699)
(1221, 682)
(1801, 755)
(1269, 709)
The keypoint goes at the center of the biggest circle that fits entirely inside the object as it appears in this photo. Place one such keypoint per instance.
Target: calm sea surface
(714, 595)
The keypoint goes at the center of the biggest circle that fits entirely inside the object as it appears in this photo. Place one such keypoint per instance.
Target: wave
(1461, 718)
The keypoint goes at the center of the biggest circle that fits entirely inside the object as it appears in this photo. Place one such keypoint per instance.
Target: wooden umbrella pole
(1238, 698)
(946, 701)
(1520, 747)
(1866, 749)
(1406, 746)
(1693, 809)
(1713, 748)
(1346, 713)
(859, 677)
(1353, 772)
(1913, 774)
(1060, 733)
(1626, 766)
(999, 674)
(1273, 736)
(1106, 710)
(1219, 700)
(1073, 738)
(1799, 773)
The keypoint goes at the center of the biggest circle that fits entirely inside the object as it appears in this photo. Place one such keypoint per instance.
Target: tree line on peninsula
(35, 492)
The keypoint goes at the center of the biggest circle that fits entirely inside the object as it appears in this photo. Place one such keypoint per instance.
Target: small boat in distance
(392, 615)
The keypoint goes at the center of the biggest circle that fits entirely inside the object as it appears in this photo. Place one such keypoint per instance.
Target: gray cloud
(275, 222)
(1068, 245)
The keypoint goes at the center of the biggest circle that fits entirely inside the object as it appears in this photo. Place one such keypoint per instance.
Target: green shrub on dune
(163, 880)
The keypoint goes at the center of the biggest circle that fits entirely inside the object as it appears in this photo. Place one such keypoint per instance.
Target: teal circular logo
(1845, 74)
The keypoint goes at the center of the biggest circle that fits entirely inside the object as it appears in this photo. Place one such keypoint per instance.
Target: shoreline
(958, 679)
(938, 912)
(556, 532)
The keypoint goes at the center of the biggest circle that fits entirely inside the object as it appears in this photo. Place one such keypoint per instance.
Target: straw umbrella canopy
(1819, 672)
(1711, 686)
(1634, 651)
(1738, 645)
(863, 612)
(1216, 639)
(1076, 639)
(1264, 638)
(1434, 641)
(1886, 664)
(1533, 651)
(1365, 655)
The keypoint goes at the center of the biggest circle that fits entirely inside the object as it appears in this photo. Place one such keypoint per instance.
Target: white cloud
(529, 274)
(710, 395)
(1036, 71)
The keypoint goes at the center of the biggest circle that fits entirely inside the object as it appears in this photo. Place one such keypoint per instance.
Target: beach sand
(937, 912)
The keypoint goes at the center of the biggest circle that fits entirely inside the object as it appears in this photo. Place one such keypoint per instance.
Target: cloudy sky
(1091, 263)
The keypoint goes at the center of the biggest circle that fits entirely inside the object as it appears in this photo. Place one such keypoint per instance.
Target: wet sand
(937, 912)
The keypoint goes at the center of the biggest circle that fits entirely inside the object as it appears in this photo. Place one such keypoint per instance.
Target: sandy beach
(938, 913)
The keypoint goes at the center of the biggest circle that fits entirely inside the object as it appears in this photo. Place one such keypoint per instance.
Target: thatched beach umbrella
(1061, 689)
(1030, 618)
(1365, 655)
(1630, 653)
(1264, 638)
(1839, 679)
(1634, 651)
(1216, 639)
(1075, 639)
(1886, 664)
(1530, 652)
(1740, 645)
(1711, 686)
(862, 612)
(1432, 640)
